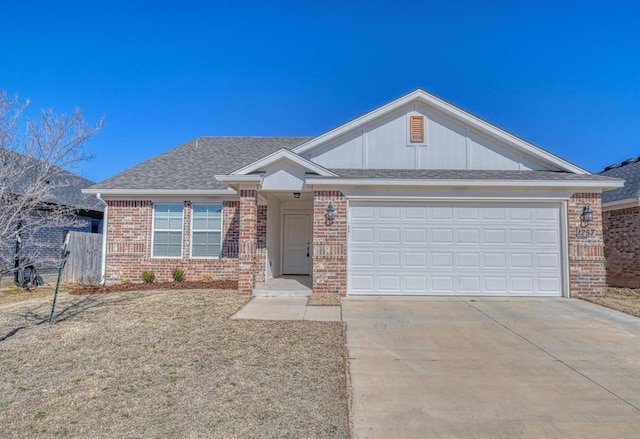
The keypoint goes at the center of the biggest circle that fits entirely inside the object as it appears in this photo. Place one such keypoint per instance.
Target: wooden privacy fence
(85, 258)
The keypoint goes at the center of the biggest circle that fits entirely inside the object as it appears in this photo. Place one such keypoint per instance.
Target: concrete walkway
(287, 308)
(492, 368)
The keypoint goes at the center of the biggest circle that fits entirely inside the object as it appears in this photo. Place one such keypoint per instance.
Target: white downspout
(103, 269)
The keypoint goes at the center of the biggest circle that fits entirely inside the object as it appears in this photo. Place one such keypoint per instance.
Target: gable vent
(416, 129)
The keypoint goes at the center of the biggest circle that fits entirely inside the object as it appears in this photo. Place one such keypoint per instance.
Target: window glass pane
(205, 244)
(168, 217)
(207, 217)
(167, 244)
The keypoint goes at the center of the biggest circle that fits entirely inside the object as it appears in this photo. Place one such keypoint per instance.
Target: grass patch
(626, 300)
(167, 364)
(13, 294)
(324, 299)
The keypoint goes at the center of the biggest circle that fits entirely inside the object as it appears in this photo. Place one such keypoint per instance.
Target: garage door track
(492, 368)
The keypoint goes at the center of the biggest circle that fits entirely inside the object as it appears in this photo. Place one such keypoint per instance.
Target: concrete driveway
(492, 368)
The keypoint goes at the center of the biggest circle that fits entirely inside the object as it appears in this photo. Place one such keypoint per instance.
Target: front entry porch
(284, 286)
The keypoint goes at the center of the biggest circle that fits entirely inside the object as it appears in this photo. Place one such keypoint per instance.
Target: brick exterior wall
(329, 244)
(586, 253)
(261, 250)
(129, 229)
(248, 241)
(622, 247)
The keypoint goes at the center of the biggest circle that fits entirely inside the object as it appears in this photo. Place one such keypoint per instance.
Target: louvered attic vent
(416, 129)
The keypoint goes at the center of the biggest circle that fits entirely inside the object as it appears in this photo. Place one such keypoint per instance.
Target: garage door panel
(495, 236)
(522, 285)
(361, 282)
(415, 284)
(441, 260)
(468, 236)
(389, 282)
(388, 259)
(520, 236)
(442, 236)
(495, 284)
(468, 284)
(439, 213)
(479, 249)
(361, 212)
(415, 236)
(495, 260)
(414, 259)
(548, 284)
(521, 260)
(441, 284)
(468, 260)
(547, 237)
(362, 235)
(416, 213)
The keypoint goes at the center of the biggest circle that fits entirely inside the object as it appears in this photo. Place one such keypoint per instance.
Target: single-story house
(417, 197)
(621, 220)
(37, 236)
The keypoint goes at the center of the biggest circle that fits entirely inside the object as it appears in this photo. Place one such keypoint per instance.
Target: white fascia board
(280, 155)
(239, 178)
(476, 183)
(452, 110)
(621, 204)
(156, 192)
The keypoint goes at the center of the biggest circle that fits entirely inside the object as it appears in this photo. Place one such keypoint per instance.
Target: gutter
(103, 268)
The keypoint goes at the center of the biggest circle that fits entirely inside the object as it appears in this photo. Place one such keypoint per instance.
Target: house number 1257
(584, 232)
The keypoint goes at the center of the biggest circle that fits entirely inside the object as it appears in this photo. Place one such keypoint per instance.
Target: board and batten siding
(448, 144)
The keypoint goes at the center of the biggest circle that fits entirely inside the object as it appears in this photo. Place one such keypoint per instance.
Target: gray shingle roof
(195, 164)
(460, 174)
(631, 175)
(66, 187)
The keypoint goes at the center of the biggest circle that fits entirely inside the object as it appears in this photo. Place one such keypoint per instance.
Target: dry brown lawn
(167, 364)
(626, 300)
(324, 299)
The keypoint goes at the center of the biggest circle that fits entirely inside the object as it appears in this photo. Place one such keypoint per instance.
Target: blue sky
(562, 75)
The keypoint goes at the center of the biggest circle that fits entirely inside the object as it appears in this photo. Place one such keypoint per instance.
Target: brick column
(247, 240)
(261, 244)
(586, 252)
(329, 244)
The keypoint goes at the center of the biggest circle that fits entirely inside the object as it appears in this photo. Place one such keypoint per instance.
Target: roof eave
(156, 192)
(595, 184)
(287, 155)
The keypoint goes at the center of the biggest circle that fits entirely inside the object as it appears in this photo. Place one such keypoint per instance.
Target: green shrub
(148, 277)
(178, 274)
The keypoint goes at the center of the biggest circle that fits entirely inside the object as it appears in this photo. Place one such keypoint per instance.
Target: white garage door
(454, 249)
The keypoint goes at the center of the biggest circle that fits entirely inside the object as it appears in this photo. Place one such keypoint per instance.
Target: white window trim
(204, 203)
(154, 230)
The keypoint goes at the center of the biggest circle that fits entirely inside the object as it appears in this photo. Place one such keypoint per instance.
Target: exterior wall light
(296, 195)
(587, 214)
(330, 212)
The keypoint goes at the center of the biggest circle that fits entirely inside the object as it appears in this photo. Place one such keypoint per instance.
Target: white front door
(297, 244)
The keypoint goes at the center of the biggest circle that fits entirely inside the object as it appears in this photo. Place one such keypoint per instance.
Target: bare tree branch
(35, 159)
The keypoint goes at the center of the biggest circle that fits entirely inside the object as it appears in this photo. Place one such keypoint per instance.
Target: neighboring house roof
(195, 164)
(66, 186)
(629, 170)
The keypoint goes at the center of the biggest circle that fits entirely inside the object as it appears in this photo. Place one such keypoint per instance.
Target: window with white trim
(206, 230)
(167, 231)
